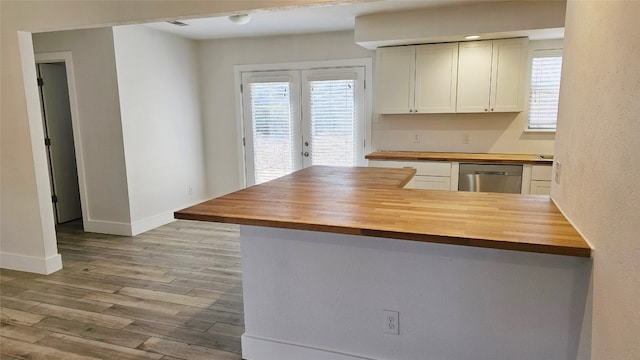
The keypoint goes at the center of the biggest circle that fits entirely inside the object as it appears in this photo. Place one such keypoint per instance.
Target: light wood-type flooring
(171, 293)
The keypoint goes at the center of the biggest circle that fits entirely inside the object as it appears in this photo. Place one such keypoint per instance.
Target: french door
(298, 118)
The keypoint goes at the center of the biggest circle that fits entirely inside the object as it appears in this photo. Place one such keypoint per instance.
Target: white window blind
(272, 130)
(546, 66)
(332, 114)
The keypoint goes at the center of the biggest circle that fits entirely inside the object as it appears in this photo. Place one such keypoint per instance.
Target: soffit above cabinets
(329, 16)
(536, 20)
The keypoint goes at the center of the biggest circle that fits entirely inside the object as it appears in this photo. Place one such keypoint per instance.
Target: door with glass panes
(295, 119)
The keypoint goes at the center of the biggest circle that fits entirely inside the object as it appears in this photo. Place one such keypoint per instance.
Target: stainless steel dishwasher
(490, 178)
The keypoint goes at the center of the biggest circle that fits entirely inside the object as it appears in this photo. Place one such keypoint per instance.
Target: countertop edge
(396, 235)
(460, 157)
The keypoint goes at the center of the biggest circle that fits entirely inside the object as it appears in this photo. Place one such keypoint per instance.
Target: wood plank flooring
(171, 293)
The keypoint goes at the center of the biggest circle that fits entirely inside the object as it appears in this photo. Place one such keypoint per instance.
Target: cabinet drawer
(431, 182)
(540, 187)
(432, 168)
(539, 172)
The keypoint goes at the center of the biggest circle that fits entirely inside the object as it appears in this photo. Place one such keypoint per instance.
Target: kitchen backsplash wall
(490, 133)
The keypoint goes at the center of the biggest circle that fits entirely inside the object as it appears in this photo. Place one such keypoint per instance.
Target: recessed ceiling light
(240, 19)
(472, 37)
(177, 23)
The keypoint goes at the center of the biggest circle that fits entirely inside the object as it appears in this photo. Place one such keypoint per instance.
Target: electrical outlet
(416, 138)
(391, 324)
(558, 167)
(465, 138)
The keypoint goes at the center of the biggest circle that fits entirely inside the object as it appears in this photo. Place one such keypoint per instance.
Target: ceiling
(310, 19)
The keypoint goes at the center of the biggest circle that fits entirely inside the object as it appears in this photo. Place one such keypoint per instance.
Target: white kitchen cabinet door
(491, 75)
(431, 182)
(508, 75)
(395, 81)
(540, 187)
(474, 76)
(541, 172)
(436, 78)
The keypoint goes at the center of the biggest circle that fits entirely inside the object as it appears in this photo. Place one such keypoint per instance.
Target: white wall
(27, 219)
(107, 199)
(598, 148)
(451, 23)
(312, 295)
(217, 59)
(158, 84)
(492, 133)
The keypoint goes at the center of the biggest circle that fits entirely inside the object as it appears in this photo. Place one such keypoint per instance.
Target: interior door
(54, 93)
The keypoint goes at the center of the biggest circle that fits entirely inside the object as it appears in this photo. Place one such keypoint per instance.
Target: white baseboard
(32, 264)
(256, 348)
(151, 222)
(136, 227)
(108, 227)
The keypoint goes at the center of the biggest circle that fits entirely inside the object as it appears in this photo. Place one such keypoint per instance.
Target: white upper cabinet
(417, 79)
(466, 77)
(436, 78)
(509, 71)
(474, 76)
(491, 75)
(395, 80)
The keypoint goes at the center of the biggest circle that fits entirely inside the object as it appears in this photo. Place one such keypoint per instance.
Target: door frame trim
(66, 58)
(367, 63)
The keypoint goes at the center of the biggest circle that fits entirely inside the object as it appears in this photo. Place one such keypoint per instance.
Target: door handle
(489, 173)
(306, 154)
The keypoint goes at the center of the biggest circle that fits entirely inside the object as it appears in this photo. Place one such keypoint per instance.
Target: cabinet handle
(492, 109)
(486, 110)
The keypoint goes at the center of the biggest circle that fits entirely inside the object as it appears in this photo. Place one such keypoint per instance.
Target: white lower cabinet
(432, 182)
(540, 187)
(430, 175)
(540, 180)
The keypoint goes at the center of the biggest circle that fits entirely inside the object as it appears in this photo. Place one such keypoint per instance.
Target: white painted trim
(45, 222)
(107, 227)
(32, 264)
(66, 57)
(154, 221)
(367, 63)
(273, 349)
(151, 222)
(305, 65)
(526, 179)
(543, 131)
(237, 82)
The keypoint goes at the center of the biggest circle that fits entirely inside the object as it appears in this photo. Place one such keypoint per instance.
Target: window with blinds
(296, 118)
(272, 130)
(546, 66)
(332, 114)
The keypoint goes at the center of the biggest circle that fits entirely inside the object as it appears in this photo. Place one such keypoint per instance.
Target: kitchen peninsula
(326, 250)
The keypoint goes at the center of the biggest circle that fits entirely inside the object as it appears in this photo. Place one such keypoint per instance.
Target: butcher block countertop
(370, 201)
(460, 157)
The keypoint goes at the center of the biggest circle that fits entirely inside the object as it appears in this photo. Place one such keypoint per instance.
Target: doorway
(59, 140)
(297, 118)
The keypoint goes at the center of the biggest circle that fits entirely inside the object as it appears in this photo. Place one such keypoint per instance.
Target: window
(297, 118)
(273, 129)
(546, 66)
(332, 120)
